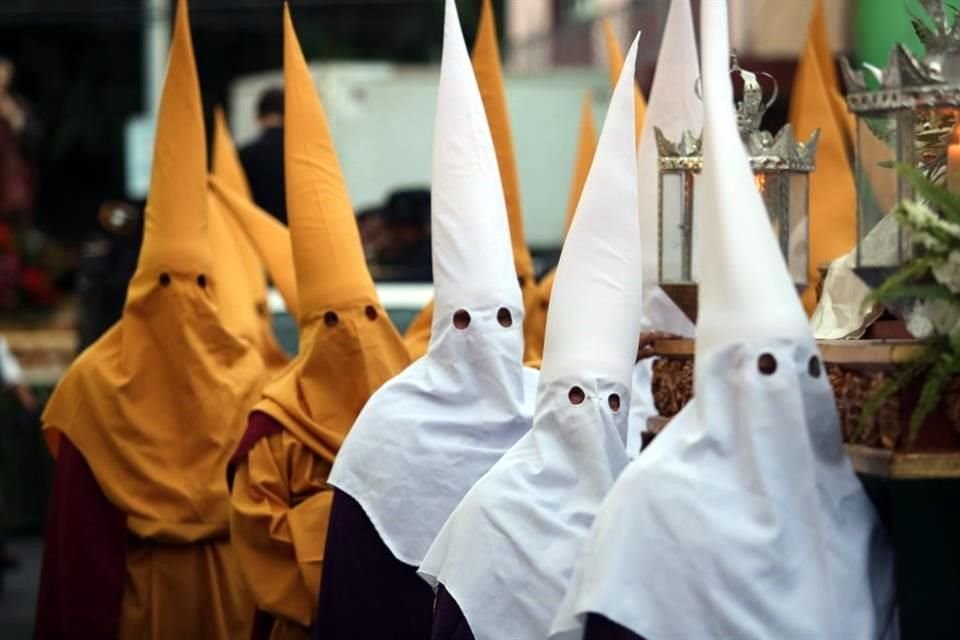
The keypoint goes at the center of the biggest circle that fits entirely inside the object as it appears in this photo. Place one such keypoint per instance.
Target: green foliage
(928, 281)
(944, 201)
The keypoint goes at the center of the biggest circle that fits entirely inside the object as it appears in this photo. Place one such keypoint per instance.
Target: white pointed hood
(745, 508)
(507, 552)
(601, 260)
(429, 434)
(733, 301)
(466, 196)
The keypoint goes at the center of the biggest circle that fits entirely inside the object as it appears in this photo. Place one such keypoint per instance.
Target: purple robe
(84, 556)
(601, 628)
(259, 425)
(449, 622)
(365, 591)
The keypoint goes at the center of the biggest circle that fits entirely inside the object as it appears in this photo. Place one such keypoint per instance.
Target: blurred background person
(396, 237)
(19, 137)
(108, 259)
(262, 159)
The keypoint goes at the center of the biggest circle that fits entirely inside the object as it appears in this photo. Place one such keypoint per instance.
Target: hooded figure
(506, 553)
(430, 433)
(817, 104)
(489, 77)
(226, 166)
(143, 423)
(744, 518)
(673, 108)
(348, 348)
(269, 237)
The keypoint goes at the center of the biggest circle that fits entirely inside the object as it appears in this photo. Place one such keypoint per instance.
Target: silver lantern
(909, 119)
(781, 168)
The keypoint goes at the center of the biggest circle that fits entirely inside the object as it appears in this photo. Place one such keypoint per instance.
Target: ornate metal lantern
(910, 119)
(781, 167)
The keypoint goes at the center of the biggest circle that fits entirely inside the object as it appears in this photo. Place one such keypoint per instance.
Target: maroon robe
(84, 556)
(365, 591)
(449, 623)
(260, 425)
(601, 628)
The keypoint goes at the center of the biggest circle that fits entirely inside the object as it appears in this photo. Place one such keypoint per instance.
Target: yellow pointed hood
(269, 237)
(253, 285)
(586, 146)
(417, 336)
(232, 290)
(583, 159)
(614, 65)
(489, 71)
(348, 346)
(323, 227)
(225, 163)
(239, 264)
(175, 227)
(833, 200)
(158, 404)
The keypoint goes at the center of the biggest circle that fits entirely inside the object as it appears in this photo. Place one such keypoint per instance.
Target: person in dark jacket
(262, 159)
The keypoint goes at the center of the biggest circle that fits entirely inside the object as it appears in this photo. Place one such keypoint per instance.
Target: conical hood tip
(175, 230)
(601, 258)
(472, 257)
(330, 265)
(745, 289)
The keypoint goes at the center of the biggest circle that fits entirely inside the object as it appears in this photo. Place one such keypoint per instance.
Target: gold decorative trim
(903, 466)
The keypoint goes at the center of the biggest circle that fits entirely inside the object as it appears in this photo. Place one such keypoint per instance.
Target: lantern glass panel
(676, 206)
(798, 256)
(775, 191)
(878, 142)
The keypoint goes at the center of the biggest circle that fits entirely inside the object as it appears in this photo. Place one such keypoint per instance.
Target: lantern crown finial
(768, 152)
(920, 80)
(751, 108)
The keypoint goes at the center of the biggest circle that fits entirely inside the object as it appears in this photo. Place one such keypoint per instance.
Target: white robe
(744, 519)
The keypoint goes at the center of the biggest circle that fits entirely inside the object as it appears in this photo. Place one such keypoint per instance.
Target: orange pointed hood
(489, 72)
(249, 272)
(225, 163)
(586, 146)
(233, 287)
(833, 199)
(269, 237)
(583, 159)
(323, 226)
(348, 346)
(158, 404)
(417, 336)
(614, 65)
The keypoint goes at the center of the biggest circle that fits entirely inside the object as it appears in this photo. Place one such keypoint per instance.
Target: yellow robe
(281, 502)
(348, 348)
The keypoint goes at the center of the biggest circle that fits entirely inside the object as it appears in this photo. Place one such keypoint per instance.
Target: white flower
(922, 218)
(929, 242)
(947, 273)
(944, 314)
(918, 324)
(929, 317)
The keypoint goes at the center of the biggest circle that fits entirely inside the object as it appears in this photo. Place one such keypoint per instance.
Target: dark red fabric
(601, 628)
(365, 591)
(84, 556)
(262, 625)
(260, 425)
(449, 622)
